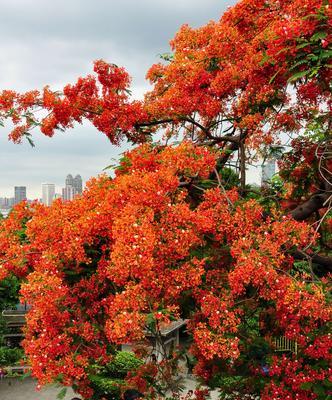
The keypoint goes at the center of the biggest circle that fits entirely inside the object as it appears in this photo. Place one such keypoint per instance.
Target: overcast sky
(54, 42)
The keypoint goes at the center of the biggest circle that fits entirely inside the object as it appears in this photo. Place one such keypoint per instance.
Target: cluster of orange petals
(96, 267)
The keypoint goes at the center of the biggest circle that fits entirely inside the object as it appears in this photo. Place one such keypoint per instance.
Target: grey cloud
(54, 42)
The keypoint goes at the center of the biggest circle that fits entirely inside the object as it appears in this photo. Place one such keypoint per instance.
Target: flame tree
(169, 237)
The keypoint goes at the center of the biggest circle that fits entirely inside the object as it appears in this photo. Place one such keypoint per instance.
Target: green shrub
(9, 288)
(10, 357)
(103, 386)
(107, 383)
(228, 385)
(122, 363)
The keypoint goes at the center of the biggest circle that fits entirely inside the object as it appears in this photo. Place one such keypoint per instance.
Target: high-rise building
(268, 170)
(73, 186)
(68, 193)
(48, 192)
(69, 180)
(20, 193)
(78, 184)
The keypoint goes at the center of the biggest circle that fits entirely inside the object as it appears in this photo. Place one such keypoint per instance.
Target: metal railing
(281, 343)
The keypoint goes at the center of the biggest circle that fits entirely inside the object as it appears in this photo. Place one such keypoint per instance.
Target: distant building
(20, 193)
(48, 192)
(7, 202)
(73, 187)
(69, 180)
(269, 168)
(78, 184)
(68, 193)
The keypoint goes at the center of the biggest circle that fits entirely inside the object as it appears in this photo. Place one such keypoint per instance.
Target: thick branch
(323, 261)
(153, 123)
(225, 138)
(242, 166)
(227, 152)
(215, 139)
(313, 204)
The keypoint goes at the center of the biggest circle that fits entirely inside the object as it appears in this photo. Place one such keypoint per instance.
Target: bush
(9, 288)
(103, 386)
(108, 382)
(237, 386)
(122, 363)
(10, 356)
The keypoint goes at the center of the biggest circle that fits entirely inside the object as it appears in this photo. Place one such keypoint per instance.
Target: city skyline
(17, 190)
(254, 176)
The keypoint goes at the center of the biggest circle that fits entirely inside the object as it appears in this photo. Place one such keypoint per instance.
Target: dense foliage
(9, 298)
(10, 356)
(108, 381)
(167, 237)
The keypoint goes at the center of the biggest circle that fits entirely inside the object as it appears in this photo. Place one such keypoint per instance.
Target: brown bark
(242, 167)
(323, 261)
(227, 152)
(313, 204)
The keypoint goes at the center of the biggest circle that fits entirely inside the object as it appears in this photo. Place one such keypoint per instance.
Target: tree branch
(314, 203)
(323, 261)
(242, 166)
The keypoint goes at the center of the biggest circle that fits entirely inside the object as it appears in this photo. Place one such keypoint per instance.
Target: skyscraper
(78, 184)
(69, 180)
(68, 193)
(48, 192)
(73, 186)
(20, 194)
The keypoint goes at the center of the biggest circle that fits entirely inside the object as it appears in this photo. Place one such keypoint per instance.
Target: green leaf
(302, 45)
(150, 321)
(310, 16)
(166, 56)
(274, 76)
(301, 62)
(213, 64)
(312, 57)
(29, 138)
(319, 390)
(314, 72)
(264, 59)
(62, 394)
(306, 386)
(299, 75)
(318, 36)
(111, 166)
(285, 49)
(25, 375)
(30, 142)
(326, 54)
